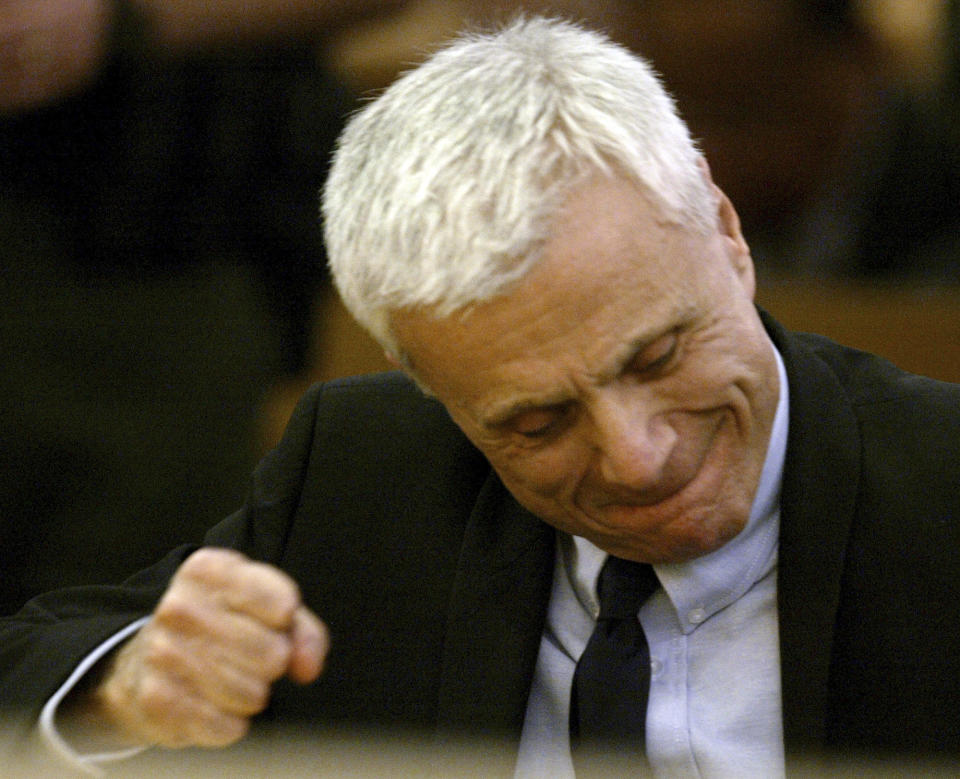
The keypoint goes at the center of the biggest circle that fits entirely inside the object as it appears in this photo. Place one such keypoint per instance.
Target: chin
(675, 542)
(706, 538)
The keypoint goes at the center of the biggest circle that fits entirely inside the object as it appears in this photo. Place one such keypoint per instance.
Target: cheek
(542, 475)
(716, 375)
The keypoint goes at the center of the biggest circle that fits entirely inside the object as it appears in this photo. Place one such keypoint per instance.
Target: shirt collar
(701, 587)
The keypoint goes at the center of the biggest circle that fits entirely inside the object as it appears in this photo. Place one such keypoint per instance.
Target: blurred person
(525, 225)
(838, 170)
(159, 164)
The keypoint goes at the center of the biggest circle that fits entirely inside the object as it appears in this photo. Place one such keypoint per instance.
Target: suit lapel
(818, 499)
(495, 619)
(500, 595)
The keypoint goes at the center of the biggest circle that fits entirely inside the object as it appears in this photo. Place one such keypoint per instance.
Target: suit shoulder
(380, 403)
(871, 381)
(908, 432)
(383, 421)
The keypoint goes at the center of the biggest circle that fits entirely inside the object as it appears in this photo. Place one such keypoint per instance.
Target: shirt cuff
(52, 738)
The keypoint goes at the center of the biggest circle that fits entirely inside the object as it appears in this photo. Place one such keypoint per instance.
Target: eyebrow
(501, 413)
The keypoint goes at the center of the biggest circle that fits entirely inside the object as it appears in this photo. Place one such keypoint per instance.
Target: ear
(728, 226)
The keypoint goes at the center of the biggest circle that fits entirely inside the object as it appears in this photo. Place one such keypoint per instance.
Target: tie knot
(623, 587)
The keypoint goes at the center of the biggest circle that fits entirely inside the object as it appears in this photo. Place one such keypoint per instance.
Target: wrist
(94, 713)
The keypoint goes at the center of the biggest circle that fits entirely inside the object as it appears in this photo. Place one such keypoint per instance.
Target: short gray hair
(442, 190)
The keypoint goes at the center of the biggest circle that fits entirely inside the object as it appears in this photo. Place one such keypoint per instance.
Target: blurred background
(164, 298)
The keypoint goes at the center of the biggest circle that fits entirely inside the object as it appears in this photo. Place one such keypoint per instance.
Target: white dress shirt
(714, 706)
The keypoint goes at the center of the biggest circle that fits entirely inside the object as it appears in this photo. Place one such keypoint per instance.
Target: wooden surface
(918, 328)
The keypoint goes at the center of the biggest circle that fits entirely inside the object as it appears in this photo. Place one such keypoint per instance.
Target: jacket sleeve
(51, 635)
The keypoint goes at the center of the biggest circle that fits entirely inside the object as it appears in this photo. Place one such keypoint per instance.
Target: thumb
(310, 643)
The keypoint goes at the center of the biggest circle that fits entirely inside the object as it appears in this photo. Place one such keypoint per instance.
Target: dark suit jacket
(435, 582)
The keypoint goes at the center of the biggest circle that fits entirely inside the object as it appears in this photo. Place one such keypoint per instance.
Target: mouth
(691, 521)
(686, 495)
(664, 490)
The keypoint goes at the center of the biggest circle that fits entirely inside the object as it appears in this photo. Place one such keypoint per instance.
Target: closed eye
(538, 422)
(656, 355)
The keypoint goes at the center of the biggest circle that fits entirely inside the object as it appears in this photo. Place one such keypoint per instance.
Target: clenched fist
(195, 674)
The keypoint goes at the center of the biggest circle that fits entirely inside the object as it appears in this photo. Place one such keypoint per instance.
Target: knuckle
(282, 604)
(176, 608)
(266, 593)
(180, 718)
(224, 730)
(180, 616)
(158, 700)
(275, 655)
(210, 564)
(267, 577)
(257, 697)
(161, 652)
(210, 726)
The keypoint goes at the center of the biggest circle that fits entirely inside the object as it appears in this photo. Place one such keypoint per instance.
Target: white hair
(442, 190)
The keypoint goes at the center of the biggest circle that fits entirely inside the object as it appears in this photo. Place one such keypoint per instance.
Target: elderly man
(661, 526)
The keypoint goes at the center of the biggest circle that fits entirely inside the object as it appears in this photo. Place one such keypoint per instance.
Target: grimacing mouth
(682, 471)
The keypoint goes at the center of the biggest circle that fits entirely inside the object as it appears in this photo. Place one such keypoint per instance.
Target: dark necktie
(608, 703)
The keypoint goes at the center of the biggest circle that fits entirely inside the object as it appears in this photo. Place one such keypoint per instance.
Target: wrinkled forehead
(613, 274)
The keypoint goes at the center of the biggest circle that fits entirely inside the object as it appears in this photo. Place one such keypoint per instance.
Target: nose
(633, 442)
